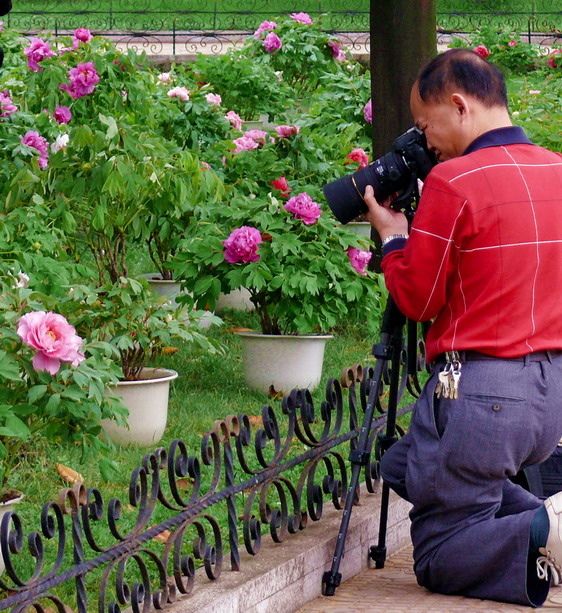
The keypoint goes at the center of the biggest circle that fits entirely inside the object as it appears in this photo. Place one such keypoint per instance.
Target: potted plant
(140, 326)
(52, 382)
(303, 274)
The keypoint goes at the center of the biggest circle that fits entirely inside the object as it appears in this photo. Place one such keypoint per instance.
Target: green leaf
(9, 367)
(36, 392)
(53, 404)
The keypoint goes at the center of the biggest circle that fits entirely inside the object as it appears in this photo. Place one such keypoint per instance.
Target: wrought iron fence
(252, 473)
(214, 26)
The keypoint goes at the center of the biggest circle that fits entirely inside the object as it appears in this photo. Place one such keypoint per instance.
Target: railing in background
(214, 26)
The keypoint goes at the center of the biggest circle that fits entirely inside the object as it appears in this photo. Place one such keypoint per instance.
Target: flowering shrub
(292, 258)
(297, 47)
(52, 383)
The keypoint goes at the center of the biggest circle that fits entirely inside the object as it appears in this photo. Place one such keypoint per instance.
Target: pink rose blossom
(302, 18)
(287, 131)
(263, 27)
(83, 80)
(303, 207)
(359, 258)
(214, 99)
(244, 144)
(34, 140)
(272, 42)
(281, 184)
(482, 51)
(368, 111)
(165, 78)
(7, 106)
(54, 339)
(552, 61)
(234, 119)
(337, 52)
(37, 51)
(358, 155)
(62, 114)
(258, 135)
(242, 245)
(181, 93)
(512, 43)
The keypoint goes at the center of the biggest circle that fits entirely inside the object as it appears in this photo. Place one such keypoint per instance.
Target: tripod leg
(392, 324)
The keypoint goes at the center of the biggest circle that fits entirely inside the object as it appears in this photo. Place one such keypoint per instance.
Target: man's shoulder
(486, 158)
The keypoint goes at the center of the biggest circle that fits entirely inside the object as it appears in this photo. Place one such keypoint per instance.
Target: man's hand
(385, 220)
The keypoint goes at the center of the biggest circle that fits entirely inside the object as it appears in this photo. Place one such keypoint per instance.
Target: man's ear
(461, 104)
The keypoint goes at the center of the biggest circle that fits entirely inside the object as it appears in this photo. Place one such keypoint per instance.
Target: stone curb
(284, 577)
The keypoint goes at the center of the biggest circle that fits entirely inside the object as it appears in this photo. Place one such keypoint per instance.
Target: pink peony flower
(242, 245)
(205, 165)
(1, 26)
(83, 35)
(7, 106)
(368, 111)
(552, 61)
(54, 339)
(258, 135)
(263, 27)
(534, 92)
(281, 184)
(303, 207)
(302, 18)
(61, 142)
(214, 99)
(165, 78)
(272, 42)
(62, 114)
(234, 119)
(337, 52)
(512, 43)
(34, 140)
(83, 80)
(181, 93)
(482, 51)
(358, 155)
(359, 258)
(286, 131)
(37, 51)
(244, 144)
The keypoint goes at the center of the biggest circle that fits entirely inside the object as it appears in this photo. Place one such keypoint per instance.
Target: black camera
(397, 171)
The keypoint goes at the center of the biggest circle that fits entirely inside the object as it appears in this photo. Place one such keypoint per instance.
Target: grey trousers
(470, 524)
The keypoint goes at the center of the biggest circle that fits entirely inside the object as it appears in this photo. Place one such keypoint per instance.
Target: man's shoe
(551, 554)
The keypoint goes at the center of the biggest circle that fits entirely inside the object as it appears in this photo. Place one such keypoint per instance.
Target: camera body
(396, 171)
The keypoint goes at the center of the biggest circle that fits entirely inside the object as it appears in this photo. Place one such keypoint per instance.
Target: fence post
(174, 38)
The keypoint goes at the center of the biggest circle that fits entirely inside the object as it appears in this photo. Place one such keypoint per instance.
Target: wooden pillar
(403, 39)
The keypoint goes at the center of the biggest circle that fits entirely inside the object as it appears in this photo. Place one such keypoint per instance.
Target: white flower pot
(170, 289)
(147, 402)
(361, 228)
(6, 507)
(238, 299)
(282, 361)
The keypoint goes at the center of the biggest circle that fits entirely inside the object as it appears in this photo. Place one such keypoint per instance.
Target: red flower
(282, 185)
(358, 155)
(482, 51)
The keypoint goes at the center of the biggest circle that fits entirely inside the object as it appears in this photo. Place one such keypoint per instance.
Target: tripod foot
(378, 555)
(330, 582)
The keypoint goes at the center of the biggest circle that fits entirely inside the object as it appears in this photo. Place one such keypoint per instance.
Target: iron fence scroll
(251, 472)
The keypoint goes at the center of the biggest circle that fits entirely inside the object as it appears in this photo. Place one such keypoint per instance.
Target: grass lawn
(235, 15)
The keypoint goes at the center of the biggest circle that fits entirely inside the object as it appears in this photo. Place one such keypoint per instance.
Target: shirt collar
(510, 135)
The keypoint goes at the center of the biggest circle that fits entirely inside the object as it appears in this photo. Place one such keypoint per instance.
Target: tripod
(388, 352)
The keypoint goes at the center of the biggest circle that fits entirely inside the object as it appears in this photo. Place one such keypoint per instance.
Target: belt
(536, 356)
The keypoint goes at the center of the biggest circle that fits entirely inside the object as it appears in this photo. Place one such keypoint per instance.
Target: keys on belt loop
(449, 377)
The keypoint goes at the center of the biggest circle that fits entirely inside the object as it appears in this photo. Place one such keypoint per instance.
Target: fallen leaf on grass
(163, 536)
(68, 474)
(169, 350)
(184, 484)
(255, 420)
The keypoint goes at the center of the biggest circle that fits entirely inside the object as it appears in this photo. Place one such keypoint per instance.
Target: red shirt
(484, 257)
